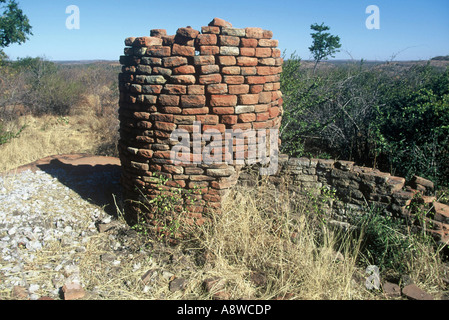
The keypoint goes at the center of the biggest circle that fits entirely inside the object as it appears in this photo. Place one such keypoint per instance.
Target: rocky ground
(61, 238)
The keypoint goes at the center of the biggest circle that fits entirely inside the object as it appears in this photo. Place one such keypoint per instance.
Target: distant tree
(324, 44)
(14, 24)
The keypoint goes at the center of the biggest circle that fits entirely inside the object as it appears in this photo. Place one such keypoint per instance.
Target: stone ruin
(197, 108)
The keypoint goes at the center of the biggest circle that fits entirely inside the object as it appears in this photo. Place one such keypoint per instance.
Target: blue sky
(409, 29)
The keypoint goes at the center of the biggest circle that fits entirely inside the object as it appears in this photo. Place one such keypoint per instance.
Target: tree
(324, 44)
(14, 24)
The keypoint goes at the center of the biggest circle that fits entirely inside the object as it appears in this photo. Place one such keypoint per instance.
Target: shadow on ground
(95, 178)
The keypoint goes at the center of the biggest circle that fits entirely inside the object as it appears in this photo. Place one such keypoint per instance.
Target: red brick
(276, 53)
(247, 117)
(230, 70)
(247, 61)
(187, 32)
(165, 126)
(207, 119)
(263, 52)
(248, 52)
(275, 95)
(264, 116)
(268, 43)
(206, 39)
(256, 80)
(159, 51)
(162, 154)
(261, 108)
(168, 40)
(175, 89)
(195, 111)
(161, 117)
(256, 33)
(220, 127)
(187, 69)
(183, 119)
(183, 79)
(203, 60)
(234, 79)
(242, 126)
(249, 71)
(248, 99)
(152, 89)
(227, 60)
(256, 88)
(239, 89)
(208, 69)
(218, 88)
(193, 101)
(168, 100)
(262, 125)
(209, 50)
(266, 71)
(217, 22)
(229, 119)
(158, 32)
(173, 110)
(148, 154)
(248, 43)
(210, 29)
(147, 42)
(267, 34)
(195, 89)
(223, 100)
(223, 110)
(179, 50)
(210, 78)
(171, 62)
(229, 41)
(274, 112)
(265, 97)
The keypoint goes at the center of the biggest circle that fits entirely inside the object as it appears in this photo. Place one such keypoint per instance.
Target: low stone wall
(358, 188)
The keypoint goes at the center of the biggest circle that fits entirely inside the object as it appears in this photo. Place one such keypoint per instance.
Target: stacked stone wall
(214, 80)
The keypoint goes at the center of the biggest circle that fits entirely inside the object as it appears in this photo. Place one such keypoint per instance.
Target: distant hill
(83, 62)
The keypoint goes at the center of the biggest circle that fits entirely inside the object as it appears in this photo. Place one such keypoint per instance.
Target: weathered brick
(195, 111)
(210, 78)
(208, 69)
(168, 100)
(158, 32)
(264, 52)
(256, 80)
(159, 51)
(175, 89)
(229, 41)
(218, 88)
(249, 52)
(196, 89)
(207, 118)
(170, 62)
(223, 100)
(248, 99)
(230, 70)
(220, 23)
(187, 32)
(256, 33)
(227, 60)
(229, 119)
(209, 50)
(268, 43)
(234, 79)
(206, 39)
(193, 101)
(247, 117)
(183, 50)
(247, 61)
(203, 60)
(184, 119)
(248, 71)
(244, 109)
(183, 79)
(210, 30)
(223, 110)
(147, 42)
(249, 43)
(238, 89)
(230, 51)
(186, 69)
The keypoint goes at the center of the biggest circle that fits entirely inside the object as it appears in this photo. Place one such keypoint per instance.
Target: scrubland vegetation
(391, 116)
